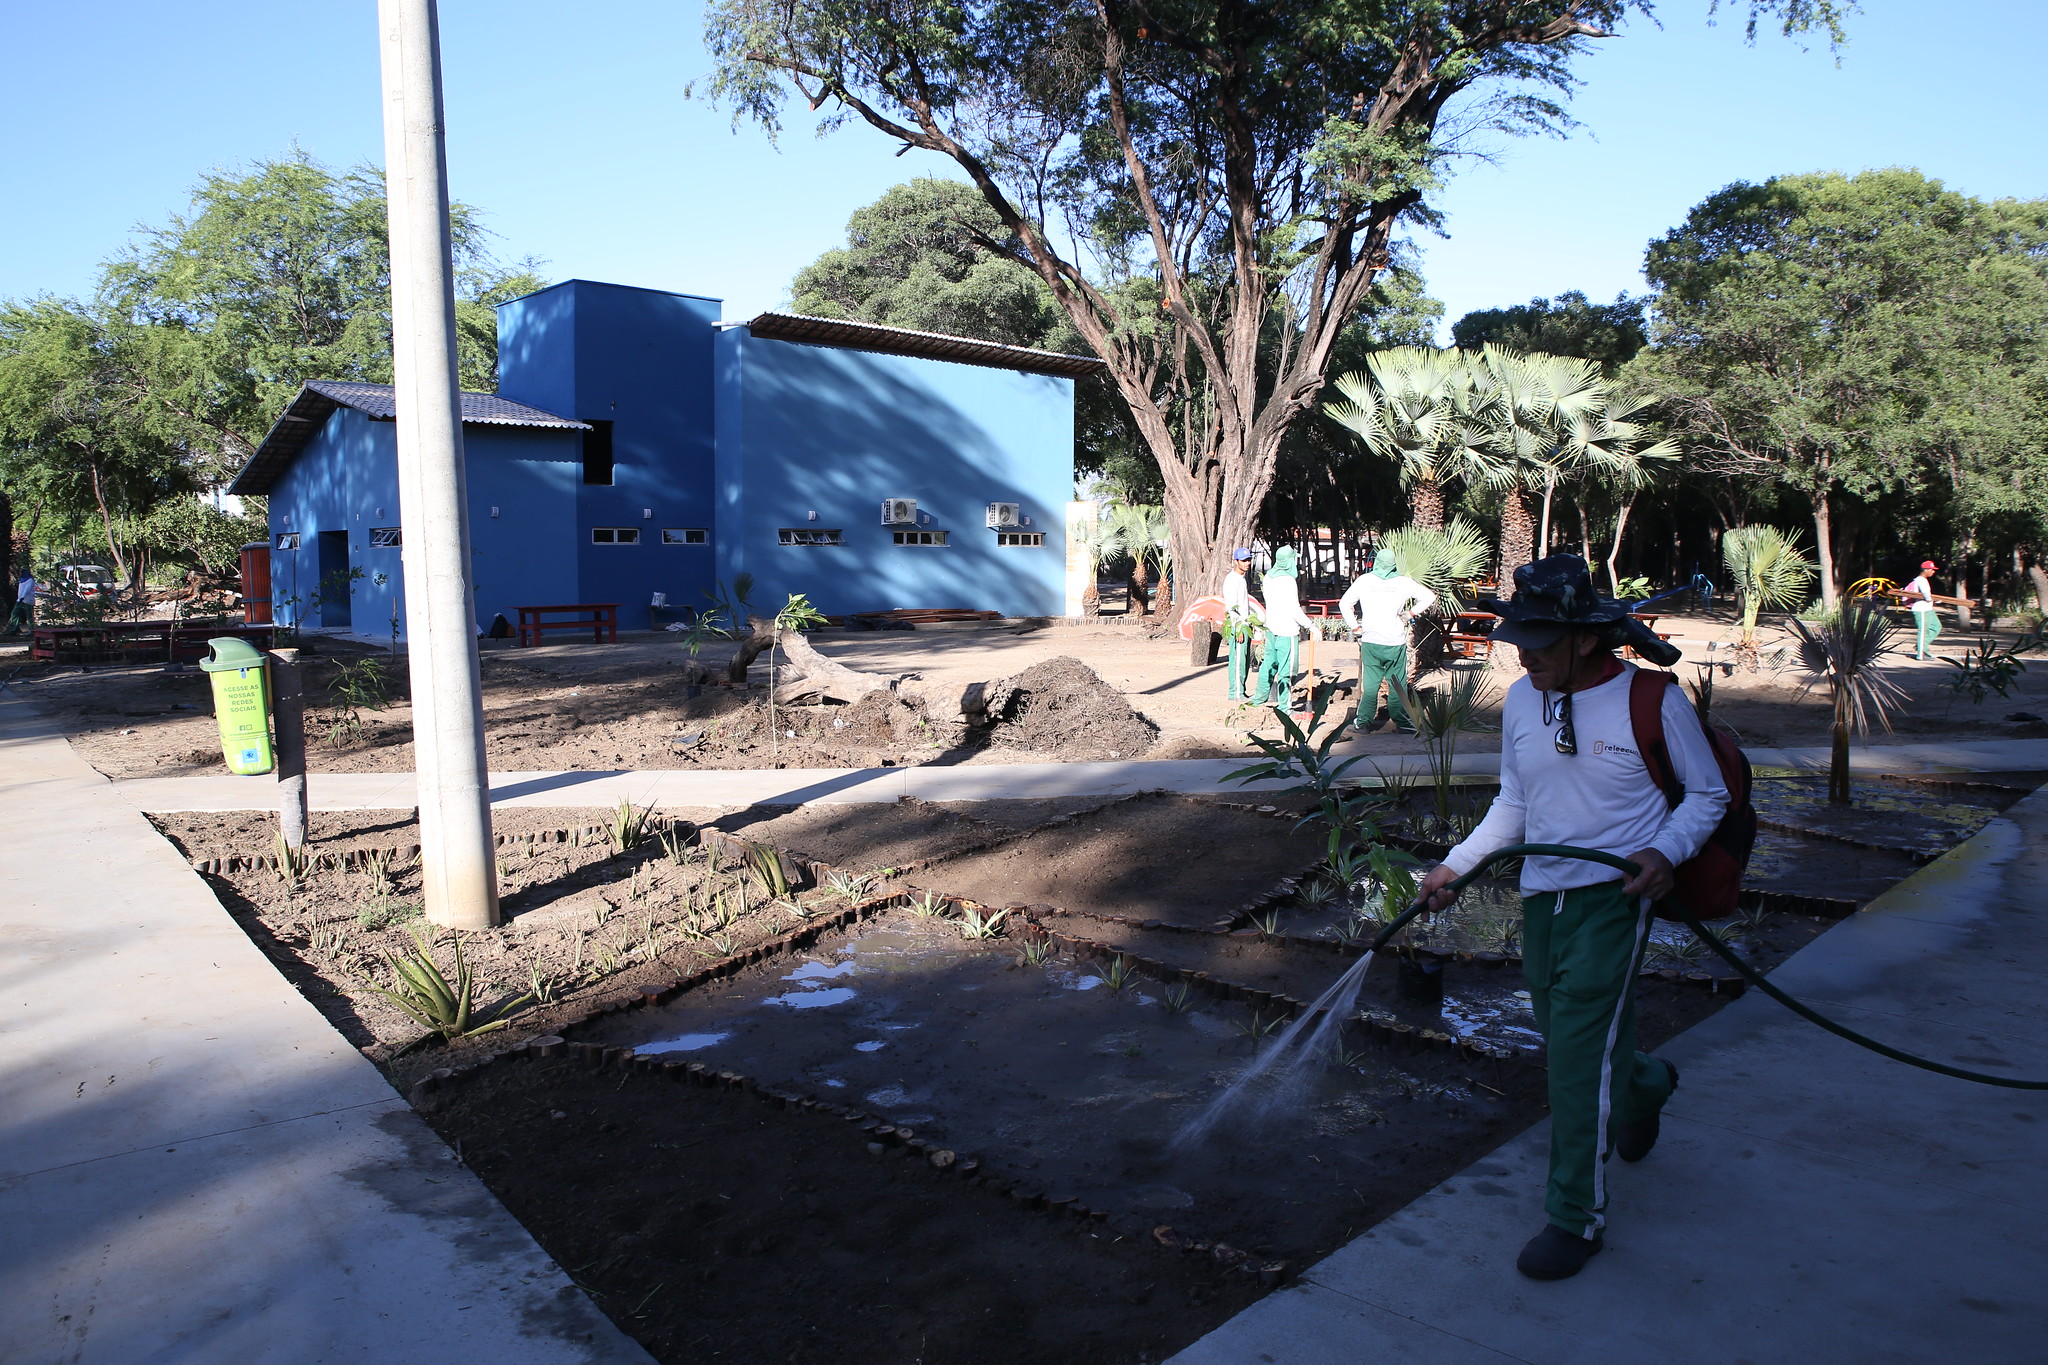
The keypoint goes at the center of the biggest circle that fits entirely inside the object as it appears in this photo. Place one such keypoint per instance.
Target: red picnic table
(601, 619)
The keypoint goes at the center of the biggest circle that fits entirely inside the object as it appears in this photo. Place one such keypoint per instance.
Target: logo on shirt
(1608, 746)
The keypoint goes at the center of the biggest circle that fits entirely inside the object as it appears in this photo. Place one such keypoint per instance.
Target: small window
(384, 538)
(1021, 539)
(287, 540)
(685, 536)
(804, 535)
(919, 537)
(597, 453)
(614, 535)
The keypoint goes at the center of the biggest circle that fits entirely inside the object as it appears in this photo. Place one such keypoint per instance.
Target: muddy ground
(625, 706)
(714, 1224)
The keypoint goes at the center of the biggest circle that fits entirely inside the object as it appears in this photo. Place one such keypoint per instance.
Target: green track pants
(1240, 658)
(1927, 624)
(1581, 950)
(1275, 686)
(1381, 664)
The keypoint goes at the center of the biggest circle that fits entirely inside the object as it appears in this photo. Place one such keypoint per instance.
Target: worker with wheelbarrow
(1572, 772)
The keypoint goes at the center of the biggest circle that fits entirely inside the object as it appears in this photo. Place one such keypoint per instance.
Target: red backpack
(1709, 883)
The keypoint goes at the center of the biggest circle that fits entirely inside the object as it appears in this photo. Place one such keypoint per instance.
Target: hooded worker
(1241, 613)
(1377, 608)
(1284, 624)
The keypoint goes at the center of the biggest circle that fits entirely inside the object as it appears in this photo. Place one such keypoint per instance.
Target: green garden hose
(1714, 942)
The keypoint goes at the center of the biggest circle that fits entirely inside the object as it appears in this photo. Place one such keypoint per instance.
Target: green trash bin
(241, 703)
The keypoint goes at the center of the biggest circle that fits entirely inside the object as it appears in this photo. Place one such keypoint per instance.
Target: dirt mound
(1062, 708)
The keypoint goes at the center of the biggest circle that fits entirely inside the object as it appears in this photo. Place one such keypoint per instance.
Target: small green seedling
(1034, 952)
(1180, 998)
(770, 869)
(976, 924)
(928, 905)
(849, 886)
(1115, 973)
(626, 827)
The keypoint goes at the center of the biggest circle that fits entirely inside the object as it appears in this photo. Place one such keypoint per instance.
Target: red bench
(601, 619)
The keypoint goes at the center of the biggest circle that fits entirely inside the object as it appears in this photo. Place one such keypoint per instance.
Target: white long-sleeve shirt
(1602, 797)
(1283, 606)
(1237, 598)
(1373, 607)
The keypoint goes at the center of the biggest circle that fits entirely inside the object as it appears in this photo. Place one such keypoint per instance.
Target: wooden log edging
(881, 1138)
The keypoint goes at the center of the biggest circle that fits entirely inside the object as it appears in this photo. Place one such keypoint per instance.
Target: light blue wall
(813, 428)
(640, 359)
(346, 479)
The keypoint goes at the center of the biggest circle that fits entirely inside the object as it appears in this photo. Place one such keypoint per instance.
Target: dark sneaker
(1554, 1254)
(1633, 1141)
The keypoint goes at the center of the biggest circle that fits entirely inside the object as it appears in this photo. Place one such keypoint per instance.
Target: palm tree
(1769, 570)
(1415, 406)
(1141, 533)
(1100, 541)
(1442, 559)
(1843, 650)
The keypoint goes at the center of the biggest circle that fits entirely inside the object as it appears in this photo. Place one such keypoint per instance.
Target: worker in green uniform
(1241, 615)
(1284, 624)
(1571, 773)
(1377, 608)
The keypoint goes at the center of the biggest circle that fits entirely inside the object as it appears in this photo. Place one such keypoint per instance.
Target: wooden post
(288, 707)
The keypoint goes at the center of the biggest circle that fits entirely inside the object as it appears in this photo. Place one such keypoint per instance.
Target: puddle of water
(888, 1097)
(684, 1042)
(818, 971)
(810, 1000)
(872, 1045)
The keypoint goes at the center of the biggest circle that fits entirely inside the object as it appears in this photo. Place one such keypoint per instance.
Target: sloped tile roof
(318, 399)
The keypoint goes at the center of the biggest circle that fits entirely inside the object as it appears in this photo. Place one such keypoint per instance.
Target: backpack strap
(1646, 718)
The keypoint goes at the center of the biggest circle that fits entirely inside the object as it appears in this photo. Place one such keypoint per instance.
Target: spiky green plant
(1845, 654)
(423, 991)
(770, 869)
(980, 924)
(1115, 973)
(927, 905)
(626, 827)
(849, 886)
(293, 864)
(1440, 714)
(1769, 570)
(1034, 952)
(675, 843)
(1179, 998)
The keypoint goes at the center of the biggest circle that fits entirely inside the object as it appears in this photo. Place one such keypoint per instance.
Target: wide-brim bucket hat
(1555, 595)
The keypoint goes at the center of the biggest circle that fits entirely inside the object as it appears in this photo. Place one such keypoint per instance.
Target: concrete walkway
(1809, 1201)
(196, 1167)
(797, 786)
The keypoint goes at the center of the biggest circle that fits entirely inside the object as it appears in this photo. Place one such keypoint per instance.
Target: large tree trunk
(1162, 605)
(751, 648)
(1426, 504)
(1140, 600)
(107, 521)
(1517, 538)
(1824, 549)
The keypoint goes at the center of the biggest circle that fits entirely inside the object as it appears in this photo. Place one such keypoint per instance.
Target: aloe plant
(1845, 654)
(445, 1007)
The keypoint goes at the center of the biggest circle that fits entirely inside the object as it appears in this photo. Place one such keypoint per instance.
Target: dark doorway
(597, 453)
(336, 591)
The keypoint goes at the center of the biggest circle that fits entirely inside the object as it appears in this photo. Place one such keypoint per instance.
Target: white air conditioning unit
(899, 511)
(1002, 516)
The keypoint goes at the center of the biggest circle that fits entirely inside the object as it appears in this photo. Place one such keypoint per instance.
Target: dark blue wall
(814, 428)
(641, 360)
(346, 479)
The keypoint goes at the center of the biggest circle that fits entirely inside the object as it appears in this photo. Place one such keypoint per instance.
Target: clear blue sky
(569, 127)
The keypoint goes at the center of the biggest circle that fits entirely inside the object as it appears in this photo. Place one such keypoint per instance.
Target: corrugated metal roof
(873, 336)
(309, 411)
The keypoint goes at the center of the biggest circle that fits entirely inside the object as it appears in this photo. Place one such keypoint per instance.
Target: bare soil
(628, 706)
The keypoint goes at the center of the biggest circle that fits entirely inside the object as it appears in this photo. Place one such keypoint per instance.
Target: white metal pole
(458, 865)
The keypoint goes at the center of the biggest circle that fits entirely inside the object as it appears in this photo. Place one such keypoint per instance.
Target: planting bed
(842, 1129)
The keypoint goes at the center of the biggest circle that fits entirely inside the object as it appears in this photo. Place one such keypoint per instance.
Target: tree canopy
(163, 382)
(1856, 335)
(1180, 173)
(1609, 334)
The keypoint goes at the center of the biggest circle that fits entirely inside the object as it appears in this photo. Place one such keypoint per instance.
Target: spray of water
(1274, 1082)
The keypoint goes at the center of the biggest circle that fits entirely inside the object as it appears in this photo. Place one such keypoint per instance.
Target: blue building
(638, 447)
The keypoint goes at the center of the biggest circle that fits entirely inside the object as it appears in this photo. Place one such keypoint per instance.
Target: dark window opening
(804, 535)
(614, 535)
(920, 537)
(597, 453)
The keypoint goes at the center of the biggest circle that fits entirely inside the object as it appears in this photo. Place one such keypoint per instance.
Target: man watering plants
(1571, 773)
(1377, 608)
